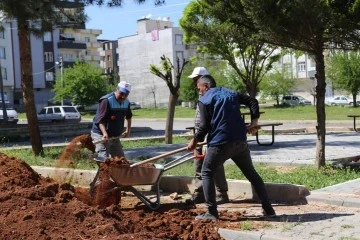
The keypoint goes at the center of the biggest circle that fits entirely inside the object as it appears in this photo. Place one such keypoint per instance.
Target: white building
(136, 53)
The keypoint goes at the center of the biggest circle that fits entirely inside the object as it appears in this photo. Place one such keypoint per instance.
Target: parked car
(12, 115)
(340, 100)
(134, 106)
(293, 100)
(59, 114)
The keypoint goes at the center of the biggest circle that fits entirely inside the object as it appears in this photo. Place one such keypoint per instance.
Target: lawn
(270, 113)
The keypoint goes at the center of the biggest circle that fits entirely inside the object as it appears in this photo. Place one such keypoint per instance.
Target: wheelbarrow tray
(132, 176)
(127, 177)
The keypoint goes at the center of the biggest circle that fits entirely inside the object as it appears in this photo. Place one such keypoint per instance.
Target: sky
(121, 21)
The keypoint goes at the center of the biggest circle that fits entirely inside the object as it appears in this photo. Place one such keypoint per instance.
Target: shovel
(162, 155)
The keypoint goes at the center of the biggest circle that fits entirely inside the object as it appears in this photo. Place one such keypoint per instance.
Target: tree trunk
(354, 100)
(170, 118)
(27, 86)
(320, 109)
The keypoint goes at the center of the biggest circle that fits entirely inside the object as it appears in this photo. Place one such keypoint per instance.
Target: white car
(340, 100)
(12, 115)
(53, 114)
(134, 106)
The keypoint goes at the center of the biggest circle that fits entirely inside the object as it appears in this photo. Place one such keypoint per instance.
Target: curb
(238, 189)
(335, 199)
(240, 235)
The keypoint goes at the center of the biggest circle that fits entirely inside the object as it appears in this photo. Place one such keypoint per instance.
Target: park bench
(273, 125)
(354, 117)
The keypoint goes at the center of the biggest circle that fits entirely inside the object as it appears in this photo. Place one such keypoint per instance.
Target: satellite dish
(159, 18)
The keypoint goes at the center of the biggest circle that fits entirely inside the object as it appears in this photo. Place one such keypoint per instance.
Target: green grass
(271, 113)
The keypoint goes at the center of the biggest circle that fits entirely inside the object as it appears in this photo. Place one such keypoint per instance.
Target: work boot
(222, 198)
(196, 198)
(208, 216)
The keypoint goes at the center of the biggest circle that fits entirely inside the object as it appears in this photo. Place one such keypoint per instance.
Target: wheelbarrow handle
(162, 155)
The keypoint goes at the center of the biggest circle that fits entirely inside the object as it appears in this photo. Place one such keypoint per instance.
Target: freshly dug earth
(34, 207)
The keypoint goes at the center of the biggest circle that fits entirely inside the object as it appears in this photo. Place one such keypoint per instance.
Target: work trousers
(110, 148)
(219, 176)
(214, 159)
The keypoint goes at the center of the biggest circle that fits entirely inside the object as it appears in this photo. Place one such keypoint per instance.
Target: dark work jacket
(220, 116)
(113, 116)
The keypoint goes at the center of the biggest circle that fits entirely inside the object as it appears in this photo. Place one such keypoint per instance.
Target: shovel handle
(104, 140)
(163, 155)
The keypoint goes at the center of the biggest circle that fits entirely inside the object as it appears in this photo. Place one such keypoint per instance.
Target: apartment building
(136, 53)
(60, 47)
(108, 56)
(303, 69)
(6, 61)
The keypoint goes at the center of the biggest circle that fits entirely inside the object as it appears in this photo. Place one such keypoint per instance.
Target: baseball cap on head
(199, 71)
(124, 87)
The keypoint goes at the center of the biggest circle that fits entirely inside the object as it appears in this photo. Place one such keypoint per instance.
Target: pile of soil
(34, 207)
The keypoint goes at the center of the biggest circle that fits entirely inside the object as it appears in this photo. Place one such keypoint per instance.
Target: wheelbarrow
(125, 178)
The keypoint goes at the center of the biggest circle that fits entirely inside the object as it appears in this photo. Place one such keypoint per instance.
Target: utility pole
(3, 105)
(61, 65)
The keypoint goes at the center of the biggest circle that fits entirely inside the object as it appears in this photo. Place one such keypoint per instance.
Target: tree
(165, 72)
(277, 84)
(36, 17)
(83, 84)
(250, 58)
(344, 71)
(310, 26)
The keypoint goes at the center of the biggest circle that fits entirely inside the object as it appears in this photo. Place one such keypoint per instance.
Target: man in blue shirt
(221, 121)
(108, 123)
(219, 176)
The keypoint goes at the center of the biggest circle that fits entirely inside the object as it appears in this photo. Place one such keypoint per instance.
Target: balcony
(71, 44)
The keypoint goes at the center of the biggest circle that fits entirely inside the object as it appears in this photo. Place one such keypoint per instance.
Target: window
(109, 57)
(49, 76)
(178, 39)
(57, 110)
(2, 53)
(2, 34)
(87, 39)
(48, 56)
(3, 73)
(301, 66)
(47, 37)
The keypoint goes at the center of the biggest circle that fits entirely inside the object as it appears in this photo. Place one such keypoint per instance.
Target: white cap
(199, 71)
(124, 87)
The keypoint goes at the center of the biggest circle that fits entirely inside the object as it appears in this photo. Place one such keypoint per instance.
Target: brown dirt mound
(33, 207)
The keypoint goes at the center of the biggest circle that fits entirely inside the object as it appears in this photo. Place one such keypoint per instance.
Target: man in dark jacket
(219, 176)
(108, 123)
(221, 121)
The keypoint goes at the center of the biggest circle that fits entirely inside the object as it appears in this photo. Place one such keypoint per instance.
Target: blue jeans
(215, 157)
